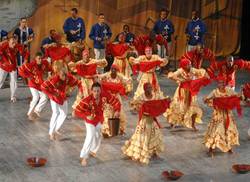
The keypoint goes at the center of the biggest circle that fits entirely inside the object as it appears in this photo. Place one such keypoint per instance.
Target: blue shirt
(129, 37)
(3, 35)
(196, 30)
(74, 24)
(47, 40)
(24, 34)
(100, 31)
(165, 28)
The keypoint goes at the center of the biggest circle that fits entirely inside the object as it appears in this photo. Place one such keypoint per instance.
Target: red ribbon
(193, 86)
(114, 88)
(86, 69)
(154, 108)
(228, 103)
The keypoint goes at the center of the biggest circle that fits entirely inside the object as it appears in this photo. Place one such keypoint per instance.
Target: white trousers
(161, 50)
(191, 47)
(38, 102)
(99, 53)
(13, 81)
(59, 114)
(92, 140)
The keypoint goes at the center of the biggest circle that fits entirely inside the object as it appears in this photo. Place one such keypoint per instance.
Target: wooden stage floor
(184, 151)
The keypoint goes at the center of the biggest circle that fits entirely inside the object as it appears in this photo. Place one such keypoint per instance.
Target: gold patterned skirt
(86, 85)
(182, 111)
(217, 136)
(145, 142)
(124, 66)
(145, 78)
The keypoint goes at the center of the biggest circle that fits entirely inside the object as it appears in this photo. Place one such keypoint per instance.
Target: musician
(195, 31)
(129, 37)
(49, 41)
(165, 28)
(25, 36)
(100, 33)
(74, 27)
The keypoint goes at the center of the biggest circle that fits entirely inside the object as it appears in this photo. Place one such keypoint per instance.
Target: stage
(184, 151)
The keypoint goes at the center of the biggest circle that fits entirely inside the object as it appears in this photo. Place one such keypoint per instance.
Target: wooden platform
(20, 139)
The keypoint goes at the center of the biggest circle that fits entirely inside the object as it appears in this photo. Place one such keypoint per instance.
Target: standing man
(129, 37)
(165, 28)
(100, 33)
(74, 27)
(195, 31)
(25, 36)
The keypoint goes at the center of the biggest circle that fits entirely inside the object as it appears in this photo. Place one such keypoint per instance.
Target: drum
(114, 126)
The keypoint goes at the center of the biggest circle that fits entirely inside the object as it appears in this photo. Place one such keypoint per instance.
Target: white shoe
(13, 99)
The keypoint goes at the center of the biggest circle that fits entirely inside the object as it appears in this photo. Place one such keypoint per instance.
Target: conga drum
(114, 126)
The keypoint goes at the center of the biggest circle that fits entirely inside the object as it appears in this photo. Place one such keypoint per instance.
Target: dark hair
(126, 25)
(96, 84)
(39, 54)
(100, 14)
(75, 10)
(52, 30)
(164, 10)
(23, 18)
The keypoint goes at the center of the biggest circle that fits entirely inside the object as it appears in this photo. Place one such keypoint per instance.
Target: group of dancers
(53, 74)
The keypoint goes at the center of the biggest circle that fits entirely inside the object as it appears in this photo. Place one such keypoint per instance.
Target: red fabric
(114, 88)
(55, 88)
(141, 42)
(154, 108)
(225, 72)
(161, 40)
(34, 72)
(118, 49)
(86, 69)
(196, 58)
(8, 56)
(57, 53)
(145, 66)
(194, 86)
(246, 90)
(88, 107)
(228, 103)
